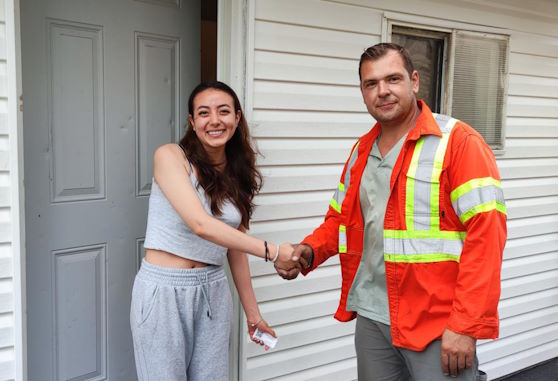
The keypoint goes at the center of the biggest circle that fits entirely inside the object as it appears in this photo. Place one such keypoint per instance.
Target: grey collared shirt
(368, 294)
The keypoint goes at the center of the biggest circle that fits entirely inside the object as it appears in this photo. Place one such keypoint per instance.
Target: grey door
(105, 82)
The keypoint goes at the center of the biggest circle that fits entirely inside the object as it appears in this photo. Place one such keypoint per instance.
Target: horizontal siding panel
(533, 65)
(520, 360)
(5, 232)
(303, 40)
(300, 307)
(3, 124)
(532, 107)
(299, 68)
(286, 362)
(310, 124)
(298, 129)
(531, 128)
(533, 264)
(524, 247)
(6, 268)
(4, 161)
(6, 302)
(535, 319)
(273, 287)
(291, 151)
(507, 346)
(532, 207)
(526, 227)
(7, 369)
(527, 168)
(6, 337)
(523, 85)
(301, 178)
(529, 284)
(321, 14)
(531, 148)
(523, 43)
(526, 303)
(304, 333)
(516, 189)
(275, 207)
(339, 370)
(285, 231)
(290, 96)
(5, 197)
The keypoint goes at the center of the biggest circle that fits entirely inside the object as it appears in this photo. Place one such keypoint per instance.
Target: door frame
(17, 190)
(231, 66)
(232, 37)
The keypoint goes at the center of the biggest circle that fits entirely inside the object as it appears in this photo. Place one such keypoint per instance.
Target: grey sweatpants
(379, 360)
(181, 323)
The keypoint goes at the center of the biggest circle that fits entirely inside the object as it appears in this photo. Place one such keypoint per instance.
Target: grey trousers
(379, 360)
(181, 323)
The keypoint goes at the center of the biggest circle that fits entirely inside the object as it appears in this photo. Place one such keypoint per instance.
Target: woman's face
(214, 119)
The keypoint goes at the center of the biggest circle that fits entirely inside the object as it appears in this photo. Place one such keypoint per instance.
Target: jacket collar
(425, 125)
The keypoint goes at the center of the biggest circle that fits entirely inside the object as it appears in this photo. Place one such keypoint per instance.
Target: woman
(200, 205)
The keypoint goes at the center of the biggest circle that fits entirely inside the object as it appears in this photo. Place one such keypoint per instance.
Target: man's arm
(478, 202)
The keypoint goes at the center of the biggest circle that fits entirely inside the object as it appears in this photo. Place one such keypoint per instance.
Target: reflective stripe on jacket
(444, 232)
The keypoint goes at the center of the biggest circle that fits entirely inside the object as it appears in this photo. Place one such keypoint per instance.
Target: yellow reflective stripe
(333, 203)
(406, 234)
(341, 187)
(342, 239)
(410, 186)
(420, 258)
(472, 184)
(435, 188)
(493, 205)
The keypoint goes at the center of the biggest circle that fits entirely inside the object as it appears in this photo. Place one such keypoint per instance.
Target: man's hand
(302, 254)
(457, 352)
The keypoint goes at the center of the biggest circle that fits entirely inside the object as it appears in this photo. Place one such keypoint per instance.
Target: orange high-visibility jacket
(444, 232)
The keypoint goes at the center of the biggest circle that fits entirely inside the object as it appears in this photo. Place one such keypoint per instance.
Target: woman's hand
(263, 327)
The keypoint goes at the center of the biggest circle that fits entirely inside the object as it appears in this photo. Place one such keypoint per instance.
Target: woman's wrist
(254, 321)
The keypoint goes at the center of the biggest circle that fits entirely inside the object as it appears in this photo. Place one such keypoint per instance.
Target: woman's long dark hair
(240, 180)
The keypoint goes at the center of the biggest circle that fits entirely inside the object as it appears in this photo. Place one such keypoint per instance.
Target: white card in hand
(268, 340)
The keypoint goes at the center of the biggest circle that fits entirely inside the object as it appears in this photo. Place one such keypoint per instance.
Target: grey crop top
(167, 231)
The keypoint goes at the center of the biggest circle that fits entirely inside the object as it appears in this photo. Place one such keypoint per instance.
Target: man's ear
(415, 81)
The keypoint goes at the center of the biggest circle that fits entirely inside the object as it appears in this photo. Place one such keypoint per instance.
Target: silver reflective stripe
(415, 246)
(422, 205)
(423, 183)
(476, 197)
(352, 160)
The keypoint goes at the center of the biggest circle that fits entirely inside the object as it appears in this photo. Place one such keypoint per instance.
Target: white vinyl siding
(7, 353)
(529, 303)
(304, 106)
(10, 285)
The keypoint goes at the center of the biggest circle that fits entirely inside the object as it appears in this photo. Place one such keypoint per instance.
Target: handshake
(292, 259)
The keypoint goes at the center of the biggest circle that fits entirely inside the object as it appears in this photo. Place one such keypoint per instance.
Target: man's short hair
(379, 50)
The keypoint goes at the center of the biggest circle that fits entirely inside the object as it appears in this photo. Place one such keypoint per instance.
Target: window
(463, 74)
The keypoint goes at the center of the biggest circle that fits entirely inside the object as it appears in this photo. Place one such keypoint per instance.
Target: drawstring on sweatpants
(203, 285)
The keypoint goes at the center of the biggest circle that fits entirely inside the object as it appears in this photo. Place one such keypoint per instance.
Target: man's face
(387, 90)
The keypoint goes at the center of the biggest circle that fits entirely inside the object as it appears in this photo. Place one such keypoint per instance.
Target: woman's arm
(171, 174)
(238, 262)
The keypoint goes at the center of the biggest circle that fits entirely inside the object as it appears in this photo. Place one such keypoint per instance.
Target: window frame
(390, 19)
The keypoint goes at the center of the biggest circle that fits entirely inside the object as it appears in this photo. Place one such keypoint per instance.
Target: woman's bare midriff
(165, 259)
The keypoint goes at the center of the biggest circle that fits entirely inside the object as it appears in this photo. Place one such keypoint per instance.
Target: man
(419, 222)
